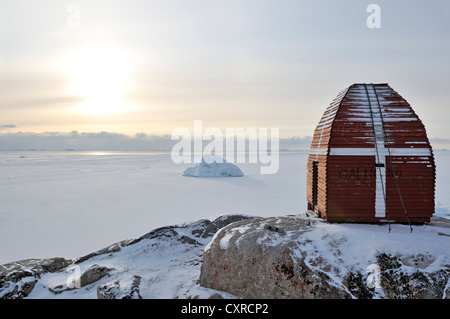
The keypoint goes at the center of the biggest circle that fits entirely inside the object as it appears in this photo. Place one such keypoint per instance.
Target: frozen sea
(69, 204)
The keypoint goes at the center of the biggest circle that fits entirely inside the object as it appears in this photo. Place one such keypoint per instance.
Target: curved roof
(366, 115)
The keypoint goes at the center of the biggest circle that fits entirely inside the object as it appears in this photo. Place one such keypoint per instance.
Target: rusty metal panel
(416, 186)
(351, 184)
(320, 207)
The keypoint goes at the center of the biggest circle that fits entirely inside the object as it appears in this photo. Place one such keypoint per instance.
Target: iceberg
(213, 166)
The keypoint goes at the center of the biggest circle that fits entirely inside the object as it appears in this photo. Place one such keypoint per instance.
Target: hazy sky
(153, 66)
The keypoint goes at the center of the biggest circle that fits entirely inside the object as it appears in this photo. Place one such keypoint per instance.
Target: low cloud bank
(7, 126)
(106, 141)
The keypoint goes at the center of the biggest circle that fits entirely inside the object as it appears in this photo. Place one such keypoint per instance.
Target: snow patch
(225, 240)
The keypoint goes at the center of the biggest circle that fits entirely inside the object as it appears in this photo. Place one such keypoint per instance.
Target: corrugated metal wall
(371, 150)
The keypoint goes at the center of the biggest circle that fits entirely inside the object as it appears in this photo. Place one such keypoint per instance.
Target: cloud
(440, 143)
(296, 143)
(102, 141)
(108, 141)
(5, 126)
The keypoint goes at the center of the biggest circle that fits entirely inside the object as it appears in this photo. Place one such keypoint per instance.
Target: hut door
(315, 177)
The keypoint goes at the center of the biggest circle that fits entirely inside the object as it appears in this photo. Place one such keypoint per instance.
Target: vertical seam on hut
(378, 162)
(392, 165)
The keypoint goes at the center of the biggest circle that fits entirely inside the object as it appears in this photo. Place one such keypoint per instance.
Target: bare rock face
(92, 274)
(254, 259)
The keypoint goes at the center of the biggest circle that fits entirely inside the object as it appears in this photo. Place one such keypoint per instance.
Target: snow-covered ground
(69, 204)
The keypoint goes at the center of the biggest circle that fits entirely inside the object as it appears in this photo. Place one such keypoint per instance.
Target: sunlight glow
(99, 74)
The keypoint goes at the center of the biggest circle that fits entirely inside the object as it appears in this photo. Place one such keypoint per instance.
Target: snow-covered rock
(125, 288)
(240, 256)
(18, 279)
(302, 257)
(164, 263)
(213, 166)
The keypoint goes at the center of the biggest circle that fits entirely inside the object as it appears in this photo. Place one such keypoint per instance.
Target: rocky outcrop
(416, 283)
(300, 257)
(248, 257)
(17, 279)
(92, 274)
(120, 289)
(247, 260)
(169, 248)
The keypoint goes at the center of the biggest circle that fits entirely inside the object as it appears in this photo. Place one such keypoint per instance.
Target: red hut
(370, 160)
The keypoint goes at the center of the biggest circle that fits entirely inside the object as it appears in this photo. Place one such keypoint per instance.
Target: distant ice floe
(442, 210)
(213, 166)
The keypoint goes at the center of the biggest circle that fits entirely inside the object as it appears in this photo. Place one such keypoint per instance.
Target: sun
(99, 75)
